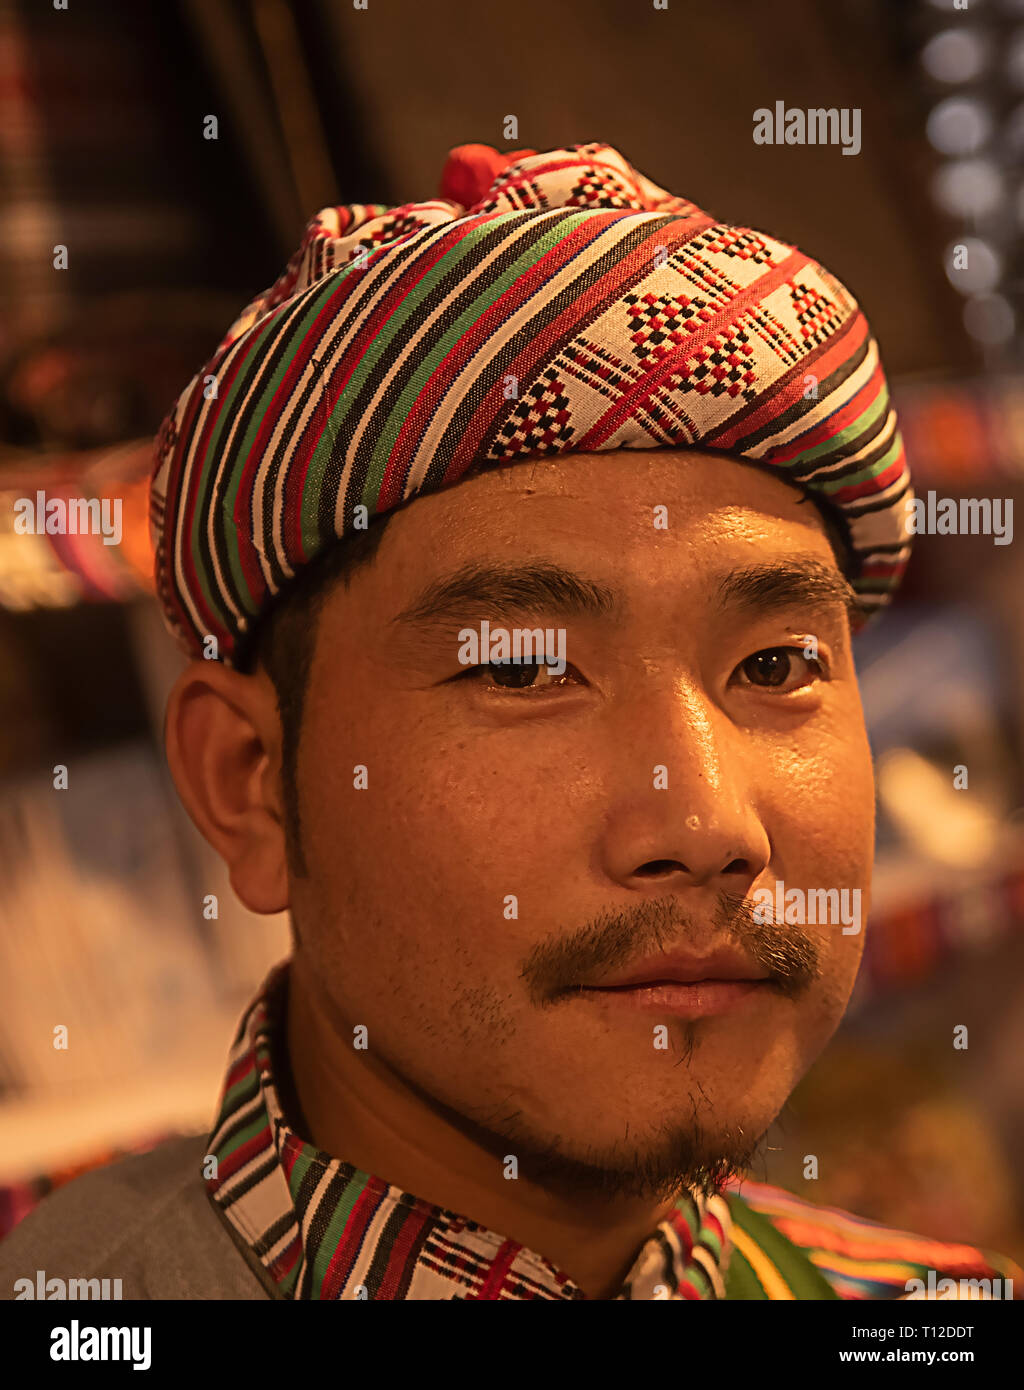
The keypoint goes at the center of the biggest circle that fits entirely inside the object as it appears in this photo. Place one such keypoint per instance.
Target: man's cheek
(484, 806)
(824, 771)
(834, 990)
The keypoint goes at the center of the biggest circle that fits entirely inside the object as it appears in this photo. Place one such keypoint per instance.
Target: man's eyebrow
(799, 580)
(534, 587)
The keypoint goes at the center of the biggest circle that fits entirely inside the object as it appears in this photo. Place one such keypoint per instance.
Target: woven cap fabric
(568, 305)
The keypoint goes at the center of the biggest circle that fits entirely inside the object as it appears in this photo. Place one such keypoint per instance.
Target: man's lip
(682, 968)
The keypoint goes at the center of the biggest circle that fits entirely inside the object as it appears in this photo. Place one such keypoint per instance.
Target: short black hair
(283, 645)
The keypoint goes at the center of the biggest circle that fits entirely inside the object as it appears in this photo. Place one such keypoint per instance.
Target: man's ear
(223, 739)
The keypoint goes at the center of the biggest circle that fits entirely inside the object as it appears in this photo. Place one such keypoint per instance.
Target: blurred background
(116, 920)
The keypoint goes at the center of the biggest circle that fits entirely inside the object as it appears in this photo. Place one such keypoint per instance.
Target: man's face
(523, 834)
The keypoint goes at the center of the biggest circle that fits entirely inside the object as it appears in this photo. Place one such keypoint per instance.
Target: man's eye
(524, 675)
(781, 668)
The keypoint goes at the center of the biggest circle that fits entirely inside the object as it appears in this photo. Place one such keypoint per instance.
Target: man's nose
(683, 797)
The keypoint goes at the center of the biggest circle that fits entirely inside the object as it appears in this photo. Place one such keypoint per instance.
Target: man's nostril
(657, 867)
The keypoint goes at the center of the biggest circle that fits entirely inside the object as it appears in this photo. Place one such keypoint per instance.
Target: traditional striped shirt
(312, 1226)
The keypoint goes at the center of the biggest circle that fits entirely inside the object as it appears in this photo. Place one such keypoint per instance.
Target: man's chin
(692, 1150)
(655, 1170)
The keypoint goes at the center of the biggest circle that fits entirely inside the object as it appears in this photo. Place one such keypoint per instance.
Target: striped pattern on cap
(574, 306)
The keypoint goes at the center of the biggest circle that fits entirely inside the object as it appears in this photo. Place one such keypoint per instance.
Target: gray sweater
(145, 1220)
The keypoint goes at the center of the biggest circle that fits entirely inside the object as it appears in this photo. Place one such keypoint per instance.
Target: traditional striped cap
(566, 304)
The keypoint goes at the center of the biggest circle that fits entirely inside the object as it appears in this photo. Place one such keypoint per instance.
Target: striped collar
(314, 1227)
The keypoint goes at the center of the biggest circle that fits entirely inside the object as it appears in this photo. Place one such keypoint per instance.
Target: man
(518, 539)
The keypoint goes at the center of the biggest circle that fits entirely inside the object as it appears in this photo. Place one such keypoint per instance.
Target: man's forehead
(611, 506)
(599, 537)
(662, 489)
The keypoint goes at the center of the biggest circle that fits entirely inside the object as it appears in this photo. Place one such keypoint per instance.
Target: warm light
(968, 187)
(946, 825)
(989, 318)
(955, 55)
(972, 266)
(959, 125)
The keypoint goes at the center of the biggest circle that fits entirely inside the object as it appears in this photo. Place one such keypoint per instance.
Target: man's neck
(357, 1110)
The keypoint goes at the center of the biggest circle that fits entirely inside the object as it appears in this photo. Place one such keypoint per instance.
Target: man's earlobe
(223, 740)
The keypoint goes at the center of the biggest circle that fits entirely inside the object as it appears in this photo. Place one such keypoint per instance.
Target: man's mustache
(554, 970)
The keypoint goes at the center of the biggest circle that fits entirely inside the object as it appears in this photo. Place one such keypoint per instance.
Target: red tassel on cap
(470, 170)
